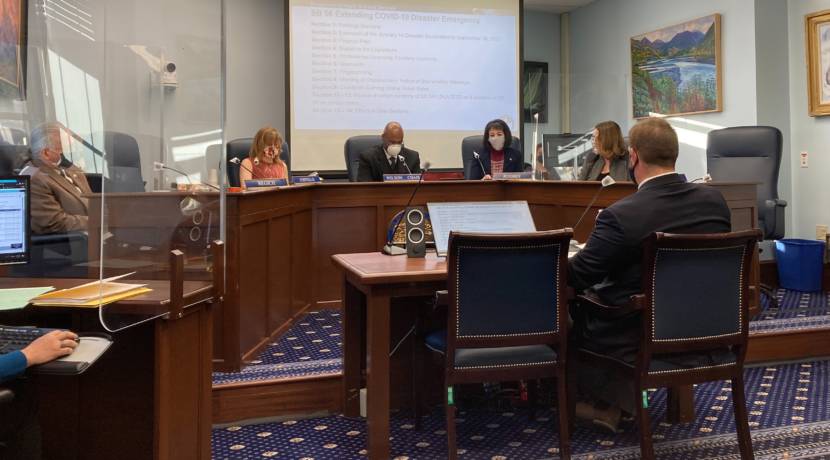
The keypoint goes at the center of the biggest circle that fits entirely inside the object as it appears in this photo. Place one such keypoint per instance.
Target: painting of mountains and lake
(10, 46)
(676, 70)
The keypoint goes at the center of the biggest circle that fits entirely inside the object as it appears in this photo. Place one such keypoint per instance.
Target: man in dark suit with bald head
(390, 157)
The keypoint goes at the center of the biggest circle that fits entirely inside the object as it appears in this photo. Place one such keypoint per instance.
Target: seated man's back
(610, 265)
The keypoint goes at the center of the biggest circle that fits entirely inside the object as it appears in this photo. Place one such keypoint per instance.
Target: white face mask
(393, 150)
(497, 142)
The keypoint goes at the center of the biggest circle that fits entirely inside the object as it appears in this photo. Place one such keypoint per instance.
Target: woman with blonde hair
(264, 160)
(610, 156)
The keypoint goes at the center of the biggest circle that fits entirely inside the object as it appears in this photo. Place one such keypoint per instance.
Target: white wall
(601, 66)
(541, 44)
(810, 204)
(255, 67)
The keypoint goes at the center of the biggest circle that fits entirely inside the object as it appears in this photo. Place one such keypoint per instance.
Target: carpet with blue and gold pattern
(312, 346)
(789, 418)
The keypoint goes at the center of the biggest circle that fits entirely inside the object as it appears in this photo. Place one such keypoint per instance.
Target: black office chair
(515, 331)
(352, 149)
(752, 154)
(56, 255)
(240, 149)
(695, 324)
(13, 158)
(123, 163)
(472, 144)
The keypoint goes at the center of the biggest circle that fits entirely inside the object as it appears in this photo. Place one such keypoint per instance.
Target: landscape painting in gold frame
(818, 62)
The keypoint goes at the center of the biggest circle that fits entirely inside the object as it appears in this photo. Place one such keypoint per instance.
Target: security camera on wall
(168, 75)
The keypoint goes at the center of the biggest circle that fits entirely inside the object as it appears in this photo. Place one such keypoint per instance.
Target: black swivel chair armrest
(6, 395)
(53, 238)
(593, 306)
(777, 232)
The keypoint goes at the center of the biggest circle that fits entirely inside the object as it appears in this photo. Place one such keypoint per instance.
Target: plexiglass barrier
(115, 113)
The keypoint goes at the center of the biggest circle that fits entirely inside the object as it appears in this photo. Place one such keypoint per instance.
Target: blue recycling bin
(799, 264)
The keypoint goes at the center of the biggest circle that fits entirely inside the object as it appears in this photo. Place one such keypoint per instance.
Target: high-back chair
(752, 154)
(240, 149)
(352, 149)
(695, 324)
(124, 162)
(475, 143)
(507, 315)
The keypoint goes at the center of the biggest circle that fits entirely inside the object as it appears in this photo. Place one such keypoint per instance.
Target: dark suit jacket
(373, 164)
(513, 162)
(593, 167)
(609, 265)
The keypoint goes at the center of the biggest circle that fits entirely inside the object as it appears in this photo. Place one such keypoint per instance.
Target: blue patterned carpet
(789, 416)
(312, 347)
(796, 310)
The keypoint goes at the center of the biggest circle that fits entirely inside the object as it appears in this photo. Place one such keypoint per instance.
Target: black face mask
(631, 174)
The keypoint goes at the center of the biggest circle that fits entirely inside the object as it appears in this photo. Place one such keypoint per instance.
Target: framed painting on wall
(818, 62)
(535, 90)
(676, 70)
(12, 48)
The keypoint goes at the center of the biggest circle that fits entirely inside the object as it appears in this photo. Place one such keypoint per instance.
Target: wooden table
(148, 396)
(379, 278)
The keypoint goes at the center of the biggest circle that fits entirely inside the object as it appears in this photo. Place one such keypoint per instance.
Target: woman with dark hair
(497, 155)
(610, 156)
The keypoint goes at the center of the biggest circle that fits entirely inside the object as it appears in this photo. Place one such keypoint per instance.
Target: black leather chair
(752, 154)
(352, 149)
(517, 330)
(123, 162)
(13, 158)
(241, 148)
(695, 324)
(472, 144)
(57, 255)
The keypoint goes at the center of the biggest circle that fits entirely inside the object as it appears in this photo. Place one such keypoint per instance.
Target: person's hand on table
(52, 345)
(487, 177)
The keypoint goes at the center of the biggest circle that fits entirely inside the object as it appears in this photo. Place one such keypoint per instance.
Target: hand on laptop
(52, 345)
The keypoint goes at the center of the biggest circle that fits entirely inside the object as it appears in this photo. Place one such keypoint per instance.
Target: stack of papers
(16, 298)
(91, 294)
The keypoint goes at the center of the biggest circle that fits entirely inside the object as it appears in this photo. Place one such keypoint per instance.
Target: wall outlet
(821, 232)
(803, 159)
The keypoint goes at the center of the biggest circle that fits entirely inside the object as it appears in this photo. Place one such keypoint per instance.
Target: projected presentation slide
(441, 71)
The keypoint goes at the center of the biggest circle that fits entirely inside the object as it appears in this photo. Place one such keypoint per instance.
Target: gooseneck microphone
(403, 160)
(478, 158)
(608, 180)
(158, 166)
(238, 162)
(390, 249)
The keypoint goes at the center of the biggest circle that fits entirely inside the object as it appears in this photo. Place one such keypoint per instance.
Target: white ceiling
(555, 6)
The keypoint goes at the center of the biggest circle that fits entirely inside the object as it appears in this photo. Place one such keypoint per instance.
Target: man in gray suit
(58, 193)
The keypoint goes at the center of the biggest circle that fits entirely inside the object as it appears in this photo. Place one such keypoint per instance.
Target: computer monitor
(14, 220)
